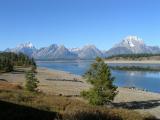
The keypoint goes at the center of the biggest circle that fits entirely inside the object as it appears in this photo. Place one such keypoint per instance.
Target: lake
(141, 79)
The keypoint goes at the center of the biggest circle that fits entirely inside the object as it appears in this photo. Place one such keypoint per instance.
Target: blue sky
(75, 23)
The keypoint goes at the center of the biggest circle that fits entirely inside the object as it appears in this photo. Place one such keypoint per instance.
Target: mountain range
(129, 45)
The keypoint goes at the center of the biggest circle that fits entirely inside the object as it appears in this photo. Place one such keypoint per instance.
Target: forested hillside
(8, 60)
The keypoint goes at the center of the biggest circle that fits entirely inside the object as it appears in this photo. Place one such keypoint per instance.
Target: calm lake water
(140, 79)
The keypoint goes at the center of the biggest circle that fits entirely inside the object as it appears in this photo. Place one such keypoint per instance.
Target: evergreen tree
(8, 65)
(103, 90)
(8, 60)
(33, 65)
(31, 81)
(1, 64)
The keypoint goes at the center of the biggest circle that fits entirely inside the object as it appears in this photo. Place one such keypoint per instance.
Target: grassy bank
(18, 104)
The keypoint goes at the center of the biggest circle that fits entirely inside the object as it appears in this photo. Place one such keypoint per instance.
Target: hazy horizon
(77, 23)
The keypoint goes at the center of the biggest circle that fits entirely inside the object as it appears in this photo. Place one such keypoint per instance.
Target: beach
(54, 82)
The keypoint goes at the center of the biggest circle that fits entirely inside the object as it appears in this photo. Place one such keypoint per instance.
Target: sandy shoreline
(132, 62)
(63, 83)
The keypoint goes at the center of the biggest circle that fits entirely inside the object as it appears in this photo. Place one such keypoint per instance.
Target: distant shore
(132, 62)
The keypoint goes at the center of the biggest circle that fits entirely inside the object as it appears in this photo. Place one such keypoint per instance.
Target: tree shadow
(4, 80)
(64, 80)
(19, 71)
(138, 104)
(10, 111)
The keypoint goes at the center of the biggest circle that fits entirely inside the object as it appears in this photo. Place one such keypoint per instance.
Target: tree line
(8, 60)
(133, 55)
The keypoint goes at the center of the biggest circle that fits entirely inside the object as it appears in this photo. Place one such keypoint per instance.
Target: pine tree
(8, 60)
(34, 66)
(31, 81)
(9, 66)
(103, 90)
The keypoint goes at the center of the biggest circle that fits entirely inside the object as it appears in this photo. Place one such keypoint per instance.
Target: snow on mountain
(75, 49)
(54, 52)
(26, 48)
(61, 52)
(132, 44)
(25, 45)
(128, 45)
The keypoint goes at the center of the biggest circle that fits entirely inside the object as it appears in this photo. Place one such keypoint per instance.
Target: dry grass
(11, 91)
(9, 86)
(67, 108)
(94, 113)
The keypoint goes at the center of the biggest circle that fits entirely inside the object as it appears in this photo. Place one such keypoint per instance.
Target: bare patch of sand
(60, 82)
(51, 81)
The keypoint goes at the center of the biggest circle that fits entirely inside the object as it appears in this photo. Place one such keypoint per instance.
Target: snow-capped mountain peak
(132, 44)
(132, 41)
(74, 49)
(26, 45)
(26, 48)
(131, 37)
(30, 45)
(128, 45)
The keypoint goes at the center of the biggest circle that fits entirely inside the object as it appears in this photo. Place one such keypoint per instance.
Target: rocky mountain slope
(26, 48)
(129, 45)
(132, 45)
